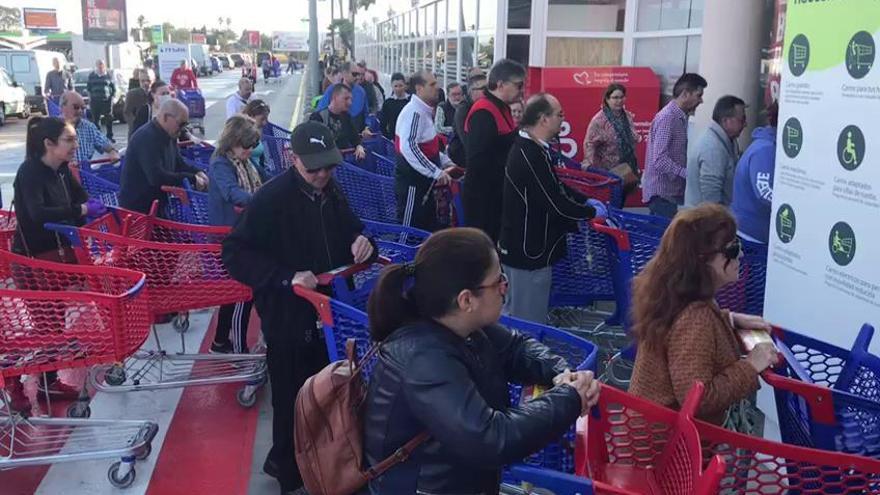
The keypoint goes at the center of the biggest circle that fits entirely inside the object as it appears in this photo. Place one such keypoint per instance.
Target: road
(281, 95)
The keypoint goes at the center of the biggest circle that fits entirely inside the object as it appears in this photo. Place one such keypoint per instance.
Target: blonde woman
(233, 181)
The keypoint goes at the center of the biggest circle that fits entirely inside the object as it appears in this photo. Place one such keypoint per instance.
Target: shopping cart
(826, 396)
(105, 168)
(791, 138)
(373, 124)
(370, 195)
(196, 154)
(604, 187)
(341, 322)
(381, 145)
(862, 56)
(627, 438)
(195, 103)
(372, 162)
(8, 225)
(396, 243)
(186, 205)
(97, 186)
(799, 56)
(53, 107)
(276, 143)
(56, 316)
(184, 272)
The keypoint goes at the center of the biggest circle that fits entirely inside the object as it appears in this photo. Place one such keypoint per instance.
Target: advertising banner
(105, 20)
(288, 41)
(253, 38)
(580, 91)
(40, 19)
(158, 36)
(170, 56)
(199, 38)
(823, 275)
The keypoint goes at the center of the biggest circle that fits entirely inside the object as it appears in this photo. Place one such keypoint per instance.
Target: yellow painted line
(297, 109)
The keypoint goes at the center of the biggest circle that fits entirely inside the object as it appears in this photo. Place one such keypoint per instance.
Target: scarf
(625, 142)
(248, 178)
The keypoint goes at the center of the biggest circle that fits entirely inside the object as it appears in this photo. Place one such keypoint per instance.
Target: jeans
(528, 296)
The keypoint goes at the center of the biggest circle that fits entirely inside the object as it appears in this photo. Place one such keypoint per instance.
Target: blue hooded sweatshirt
(753, 185)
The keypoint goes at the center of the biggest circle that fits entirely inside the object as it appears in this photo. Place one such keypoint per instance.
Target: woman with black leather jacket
(444, 367)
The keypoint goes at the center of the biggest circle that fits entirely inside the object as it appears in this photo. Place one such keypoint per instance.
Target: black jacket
(486, 149)
(44, 195)
(389, 113)
(288, 228)
(342, 125)
(456, 149)
(538, 209)
(101, 88)
(152, 160)
(427, 378)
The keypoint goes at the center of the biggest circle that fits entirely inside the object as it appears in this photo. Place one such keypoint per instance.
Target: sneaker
(221, 348)
(18, 401)
(59, 390)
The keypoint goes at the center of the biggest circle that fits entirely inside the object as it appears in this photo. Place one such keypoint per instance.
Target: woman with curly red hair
(683, 336)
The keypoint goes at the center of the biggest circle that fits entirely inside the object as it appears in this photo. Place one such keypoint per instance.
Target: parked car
(12, 98)
(224, 60)
(81, 84)
(216, 65)
(237, 59)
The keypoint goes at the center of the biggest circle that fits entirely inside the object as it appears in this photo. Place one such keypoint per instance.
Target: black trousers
(291, 361)
(416, 206)
(102, 111)
(234, 317)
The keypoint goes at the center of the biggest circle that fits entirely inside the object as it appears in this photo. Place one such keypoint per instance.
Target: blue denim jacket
(224, 192)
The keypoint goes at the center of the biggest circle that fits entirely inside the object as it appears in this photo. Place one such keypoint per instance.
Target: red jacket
(183, 79)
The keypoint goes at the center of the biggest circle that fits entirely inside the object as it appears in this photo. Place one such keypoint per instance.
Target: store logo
(786, 223)
(842, 243)
(798, 55)
(582, 78)
(851, 147)
(860, 54)
(792, 137)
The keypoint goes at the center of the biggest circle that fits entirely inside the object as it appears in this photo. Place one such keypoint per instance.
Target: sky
(261, 15)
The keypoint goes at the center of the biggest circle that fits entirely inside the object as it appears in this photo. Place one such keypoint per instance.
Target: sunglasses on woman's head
(732, 250)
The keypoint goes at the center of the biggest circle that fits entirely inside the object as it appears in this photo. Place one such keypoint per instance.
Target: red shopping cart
(629, 441)
(8, 225)
(55, 316)
(184, 272)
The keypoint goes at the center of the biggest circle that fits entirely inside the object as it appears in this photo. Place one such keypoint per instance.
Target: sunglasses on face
(732, 250)
(251, 146)
(319, 170)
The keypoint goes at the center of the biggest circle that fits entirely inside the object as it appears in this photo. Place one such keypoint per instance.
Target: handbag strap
(400, 455)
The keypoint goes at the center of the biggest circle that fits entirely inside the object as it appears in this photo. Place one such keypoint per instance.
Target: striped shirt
(666, 162)
(89, 140)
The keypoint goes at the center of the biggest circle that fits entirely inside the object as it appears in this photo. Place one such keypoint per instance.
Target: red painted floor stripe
(209, 444)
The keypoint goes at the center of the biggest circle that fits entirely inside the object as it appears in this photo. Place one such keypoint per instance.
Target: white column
(733, 31)
(500, 30)
(538, 36)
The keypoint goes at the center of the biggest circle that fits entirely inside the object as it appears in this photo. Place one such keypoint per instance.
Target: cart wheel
(181, 322)
(115, 375)
(113, 476)
(246, 399)
(79, 410)
(148, 449)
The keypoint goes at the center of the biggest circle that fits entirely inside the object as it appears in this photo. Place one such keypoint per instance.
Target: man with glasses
(153, 160)
(475, 91)
(90, 139)
(490, 133)
(296, 226)
(538, 211)
(352, 76)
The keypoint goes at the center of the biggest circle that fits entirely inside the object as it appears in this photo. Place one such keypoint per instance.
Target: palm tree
(220, 22)
(228, 23)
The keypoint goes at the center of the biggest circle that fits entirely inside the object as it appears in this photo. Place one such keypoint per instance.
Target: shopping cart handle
(177, 192)
(71, 233)
(619, 236)
(101, 161)
(819, 398)
(344, 271)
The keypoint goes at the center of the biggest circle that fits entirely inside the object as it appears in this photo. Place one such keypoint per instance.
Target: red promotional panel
(199, 38)
(580, 90)
(254, 39)
(40, 18)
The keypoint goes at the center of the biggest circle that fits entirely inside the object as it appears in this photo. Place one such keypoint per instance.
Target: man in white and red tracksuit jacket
(420, 164)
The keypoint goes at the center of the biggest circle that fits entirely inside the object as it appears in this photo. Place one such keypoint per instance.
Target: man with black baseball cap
(296, 226)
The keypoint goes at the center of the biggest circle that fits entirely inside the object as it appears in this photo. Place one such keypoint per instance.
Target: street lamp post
(313, 71)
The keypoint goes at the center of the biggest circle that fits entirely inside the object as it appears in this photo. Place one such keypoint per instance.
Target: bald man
(237, 101)
(90, 139)
(153, 160)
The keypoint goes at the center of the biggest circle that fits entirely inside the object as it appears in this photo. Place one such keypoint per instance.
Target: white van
(29, 68)
(12, 99)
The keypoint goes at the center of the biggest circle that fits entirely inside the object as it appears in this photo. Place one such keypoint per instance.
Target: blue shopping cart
(98, 187)
(186, 205)
(197, 155)
(276, 145)
(371, 195)
(396, 243)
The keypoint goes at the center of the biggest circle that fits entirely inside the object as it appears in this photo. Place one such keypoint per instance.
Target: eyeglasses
(322, 169)
(732, 250)
(252, 145)
(518, 84)
(502, 284)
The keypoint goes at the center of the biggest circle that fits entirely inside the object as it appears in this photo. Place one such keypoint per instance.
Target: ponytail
(449, 262)
(389, 307)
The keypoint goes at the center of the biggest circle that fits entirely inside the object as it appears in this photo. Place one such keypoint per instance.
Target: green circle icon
(798, 55)
(851, 147)
(792, 137)
(860, 54)
(786, 223)
(842, 243)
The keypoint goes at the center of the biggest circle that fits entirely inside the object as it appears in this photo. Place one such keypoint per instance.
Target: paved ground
(207, 443)
(280, 94)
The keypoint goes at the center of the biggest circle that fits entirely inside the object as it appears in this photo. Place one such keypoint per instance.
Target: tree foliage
(10, 19)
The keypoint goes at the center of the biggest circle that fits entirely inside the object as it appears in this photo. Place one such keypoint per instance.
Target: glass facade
(452, 36)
